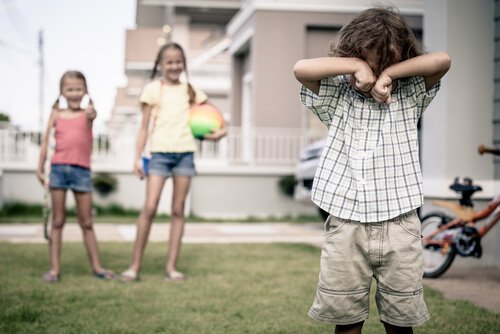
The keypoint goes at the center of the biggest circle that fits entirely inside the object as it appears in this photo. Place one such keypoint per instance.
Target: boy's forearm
(315, 69)
(428, 65)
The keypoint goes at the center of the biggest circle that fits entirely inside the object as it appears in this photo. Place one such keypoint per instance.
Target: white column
(460, 117)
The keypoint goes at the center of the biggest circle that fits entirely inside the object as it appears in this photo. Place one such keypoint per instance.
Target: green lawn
(264, 288)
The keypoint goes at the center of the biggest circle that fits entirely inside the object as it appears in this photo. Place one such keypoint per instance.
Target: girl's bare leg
(154, 188)
(84, 212)
(181, 188)
(58, 198)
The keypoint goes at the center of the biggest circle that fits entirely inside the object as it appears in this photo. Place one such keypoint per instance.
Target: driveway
(479, 285)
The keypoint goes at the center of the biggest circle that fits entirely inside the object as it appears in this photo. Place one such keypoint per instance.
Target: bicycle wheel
(436, 260)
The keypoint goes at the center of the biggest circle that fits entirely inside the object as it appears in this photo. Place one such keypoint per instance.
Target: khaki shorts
(353, 253)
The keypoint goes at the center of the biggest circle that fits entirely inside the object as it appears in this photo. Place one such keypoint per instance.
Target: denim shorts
(71, 177)
(168, 164)
(353, 253)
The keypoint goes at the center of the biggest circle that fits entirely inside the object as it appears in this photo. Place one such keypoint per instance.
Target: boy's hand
(382, 89)
(364, 77)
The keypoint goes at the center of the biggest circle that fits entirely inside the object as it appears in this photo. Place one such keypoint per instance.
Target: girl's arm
(431, 66)
(40, 172)
(142, 138)
(90, 112)
(216, 134)
(309, 72)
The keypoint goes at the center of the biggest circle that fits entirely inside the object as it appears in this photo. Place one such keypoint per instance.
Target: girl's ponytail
(192, 94)
(157, 61)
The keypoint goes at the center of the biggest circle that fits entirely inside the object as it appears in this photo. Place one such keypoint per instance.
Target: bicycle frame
(476, 217)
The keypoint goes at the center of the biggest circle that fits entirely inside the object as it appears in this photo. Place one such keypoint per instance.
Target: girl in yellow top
(166, 102)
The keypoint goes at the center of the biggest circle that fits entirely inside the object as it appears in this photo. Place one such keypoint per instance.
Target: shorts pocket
(411, 225)
(333, 225)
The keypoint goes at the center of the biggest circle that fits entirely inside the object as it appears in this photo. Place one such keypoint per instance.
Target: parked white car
(305, 170)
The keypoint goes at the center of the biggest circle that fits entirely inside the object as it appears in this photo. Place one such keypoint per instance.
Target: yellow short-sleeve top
(170, 116)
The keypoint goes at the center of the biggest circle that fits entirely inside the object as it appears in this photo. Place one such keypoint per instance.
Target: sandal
(105, 274)
(128, 276)
(50, 278)
(175, 276)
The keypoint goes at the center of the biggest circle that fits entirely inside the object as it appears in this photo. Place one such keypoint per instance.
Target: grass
(264, 288)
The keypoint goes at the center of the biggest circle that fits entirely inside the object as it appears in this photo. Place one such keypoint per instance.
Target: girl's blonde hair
(69, 74)
(172, 45)
(382, 30)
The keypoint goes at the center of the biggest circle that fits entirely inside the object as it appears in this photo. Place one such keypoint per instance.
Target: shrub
(287, 185)
(105, 183)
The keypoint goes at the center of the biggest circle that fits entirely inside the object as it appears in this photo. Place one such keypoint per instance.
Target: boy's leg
(342, 295)
(349, 329)
(400, 293)
(391, 329)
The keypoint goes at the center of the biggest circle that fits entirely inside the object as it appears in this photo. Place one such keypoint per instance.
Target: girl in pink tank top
(71, 118)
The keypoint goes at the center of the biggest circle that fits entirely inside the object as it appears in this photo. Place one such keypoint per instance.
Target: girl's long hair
(70, 74)
(154, 72)
(382, 30)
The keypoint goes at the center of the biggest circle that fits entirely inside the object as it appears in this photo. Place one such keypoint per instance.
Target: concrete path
(194, 233)
(481, 286)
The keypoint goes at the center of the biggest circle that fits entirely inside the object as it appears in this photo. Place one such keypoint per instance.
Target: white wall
(459, 119)
(235, 192)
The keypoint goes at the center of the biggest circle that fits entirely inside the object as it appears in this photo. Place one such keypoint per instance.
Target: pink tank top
(73, 141)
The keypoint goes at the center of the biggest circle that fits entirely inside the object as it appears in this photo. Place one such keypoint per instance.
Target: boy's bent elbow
(299, 70)
(444, 61)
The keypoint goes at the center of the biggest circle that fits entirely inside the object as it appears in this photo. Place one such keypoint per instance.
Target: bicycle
(445, 236)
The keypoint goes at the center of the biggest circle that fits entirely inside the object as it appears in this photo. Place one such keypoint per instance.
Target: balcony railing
(258, 146)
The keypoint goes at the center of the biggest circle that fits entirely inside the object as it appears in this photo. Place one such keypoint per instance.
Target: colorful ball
(203, 119)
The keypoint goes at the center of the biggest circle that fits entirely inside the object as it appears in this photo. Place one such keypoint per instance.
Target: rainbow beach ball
(203, 119)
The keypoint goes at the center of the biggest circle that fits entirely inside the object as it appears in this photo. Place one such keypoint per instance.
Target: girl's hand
(91, 113)
(382, 89)
(138, 168)
(216, 134)
(364, 79)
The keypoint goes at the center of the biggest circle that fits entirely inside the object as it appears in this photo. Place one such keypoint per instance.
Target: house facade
(242, 54)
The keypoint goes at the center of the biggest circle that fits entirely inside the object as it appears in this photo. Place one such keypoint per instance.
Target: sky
(88, 36)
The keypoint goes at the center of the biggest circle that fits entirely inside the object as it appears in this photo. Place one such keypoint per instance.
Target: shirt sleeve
(423, 96)
(326, 101)
(150, 93)
(200, 96)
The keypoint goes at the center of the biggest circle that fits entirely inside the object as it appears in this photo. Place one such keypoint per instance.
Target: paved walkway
(194, 233)
(479, 285)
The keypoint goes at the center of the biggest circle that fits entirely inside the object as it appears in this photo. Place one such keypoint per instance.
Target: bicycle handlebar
(467, 189)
